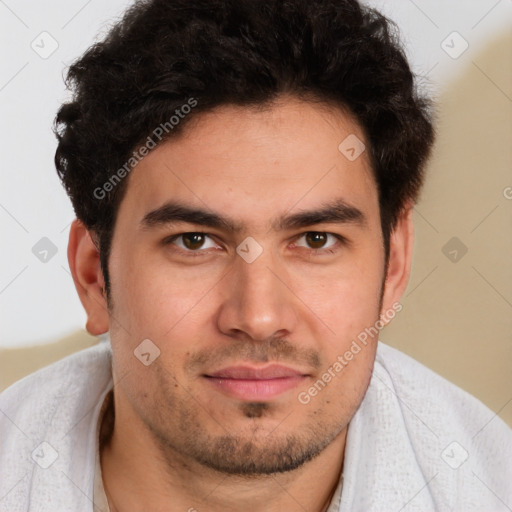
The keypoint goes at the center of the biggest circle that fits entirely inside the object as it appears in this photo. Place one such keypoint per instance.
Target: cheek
(346, 297)
(151, 298)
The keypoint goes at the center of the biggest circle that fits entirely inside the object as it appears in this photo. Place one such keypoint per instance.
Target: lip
(255, 384)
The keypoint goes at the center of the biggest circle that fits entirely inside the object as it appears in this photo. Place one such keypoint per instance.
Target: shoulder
(433, 395)
(451, 432)
(48, 424)
(64, 377)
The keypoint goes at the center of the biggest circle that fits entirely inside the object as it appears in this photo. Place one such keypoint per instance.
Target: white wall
(38, 302)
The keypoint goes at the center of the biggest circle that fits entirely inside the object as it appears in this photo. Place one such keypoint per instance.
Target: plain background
(456, 315)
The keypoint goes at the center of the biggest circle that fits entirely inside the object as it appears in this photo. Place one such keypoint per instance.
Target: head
(243, 175)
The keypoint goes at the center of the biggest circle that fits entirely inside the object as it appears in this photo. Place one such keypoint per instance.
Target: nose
(258, 301)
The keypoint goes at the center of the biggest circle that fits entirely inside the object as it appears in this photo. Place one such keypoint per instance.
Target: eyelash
(311, 252)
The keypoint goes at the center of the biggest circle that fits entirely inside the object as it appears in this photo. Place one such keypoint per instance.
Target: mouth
(255, 384)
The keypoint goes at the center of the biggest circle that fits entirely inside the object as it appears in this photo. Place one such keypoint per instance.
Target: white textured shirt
(416, 443)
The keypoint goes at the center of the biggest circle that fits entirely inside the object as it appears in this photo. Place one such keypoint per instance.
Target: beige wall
(457, 316)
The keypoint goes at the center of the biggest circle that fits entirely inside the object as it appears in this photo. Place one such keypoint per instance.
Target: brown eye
(193, 241)
(320, 242)
(316, 239)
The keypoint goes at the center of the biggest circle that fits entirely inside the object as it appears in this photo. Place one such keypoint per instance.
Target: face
(249, 252)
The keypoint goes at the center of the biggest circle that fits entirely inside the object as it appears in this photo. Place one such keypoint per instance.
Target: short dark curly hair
(163, 53)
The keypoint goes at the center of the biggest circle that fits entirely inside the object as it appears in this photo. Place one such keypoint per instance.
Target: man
(243, 175)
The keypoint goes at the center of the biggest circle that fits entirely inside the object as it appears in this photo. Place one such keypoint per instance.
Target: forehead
(254, 164)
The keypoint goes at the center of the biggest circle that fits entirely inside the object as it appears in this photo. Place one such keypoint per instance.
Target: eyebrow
(337, 211)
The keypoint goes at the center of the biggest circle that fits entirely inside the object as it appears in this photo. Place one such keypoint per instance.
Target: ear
(400, 258)
(84, 263)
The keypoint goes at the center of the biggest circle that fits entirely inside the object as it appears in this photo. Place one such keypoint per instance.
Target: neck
(138, 474)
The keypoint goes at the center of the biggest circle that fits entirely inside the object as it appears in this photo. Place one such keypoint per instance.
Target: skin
(177, 440)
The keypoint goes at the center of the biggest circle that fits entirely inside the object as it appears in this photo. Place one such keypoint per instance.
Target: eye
(318, 241)
(192, 242)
